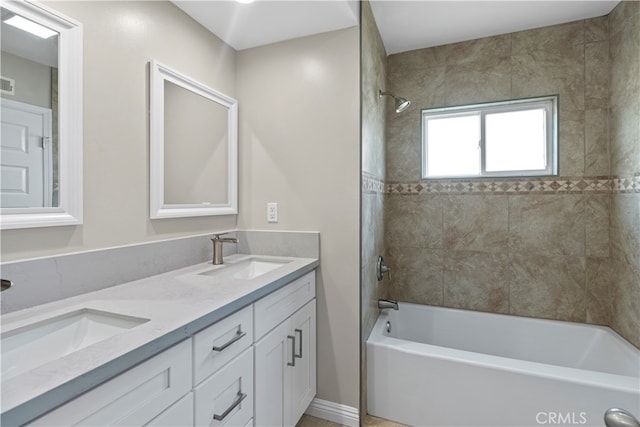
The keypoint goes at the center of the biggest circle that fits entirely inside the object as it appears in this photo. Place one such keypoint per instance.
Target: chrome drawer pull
(239, 398)
(293, 350)
(239, 335)
(299, 356)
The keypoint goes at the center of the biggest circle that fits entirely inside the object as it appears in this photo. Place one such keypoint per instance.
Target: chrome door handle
(237, 337)
(293, 350)
(239, 398)
(299, 356)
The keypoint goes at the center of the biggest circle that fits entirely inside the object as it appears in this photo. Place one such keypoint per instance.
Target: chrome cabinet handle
(238, 336)
(293, 350)
(239, 398)
(299, 356)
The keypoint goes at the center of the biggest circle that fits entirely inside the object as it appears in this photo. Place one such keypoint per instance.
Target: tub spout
(385, 303)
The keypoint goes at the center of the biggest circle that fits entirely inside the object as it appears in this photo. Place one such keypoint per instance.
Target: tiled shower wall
(624, 286)
(373, 60)
(526, 247)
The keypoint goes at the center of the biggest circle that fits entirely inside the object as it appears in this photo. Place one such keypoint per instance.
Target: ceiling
(409, 25)
(244, 26)
(403, 25)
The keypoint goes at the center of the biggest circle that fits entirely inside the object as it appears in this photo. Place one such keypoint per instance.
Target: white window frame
(548, 103)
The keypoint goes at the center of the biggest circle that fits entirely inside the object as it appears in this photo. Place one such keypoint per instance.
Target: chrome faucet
(385, 303)
(217, 247)
(6, 284)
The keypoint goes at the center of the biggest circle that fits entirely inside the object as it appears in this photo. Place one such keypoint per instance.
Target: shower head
(401, 103)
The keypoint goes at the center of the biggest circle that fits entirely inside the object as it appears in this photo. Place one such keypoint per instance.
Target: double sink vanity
(232, 344)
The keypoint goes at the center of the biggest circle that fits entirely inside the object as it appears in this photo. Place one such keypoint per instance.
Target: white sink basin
(245, 270)
(34, 345)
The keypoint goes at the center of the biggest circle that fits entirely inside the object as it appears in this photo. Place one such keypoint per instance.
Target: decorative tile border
(630, 184)
(560, 185)
(371, 184)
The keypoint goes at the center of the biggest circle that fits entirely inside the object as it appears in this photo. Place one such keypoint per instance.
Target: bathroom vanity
(202, 345)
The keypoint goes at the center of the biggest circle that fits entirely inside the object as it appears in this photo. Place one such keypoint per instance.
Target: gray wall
(33, 80)
(299, 147)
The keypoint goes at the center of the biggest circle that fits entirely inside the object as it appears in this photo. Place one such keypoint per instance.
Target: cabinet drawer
(276, 307)
(216, 345)
(132, 398)
(179, 414)
(226, 398)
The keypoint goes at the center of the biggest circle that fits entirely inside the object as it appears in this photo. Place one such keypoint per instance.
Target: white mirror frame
(69, 211)
(158, 207)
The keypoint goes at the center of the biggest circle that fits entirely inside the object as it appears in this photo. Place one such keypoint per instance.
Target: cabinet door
(272, 353)
(179, 414)
(303, 375)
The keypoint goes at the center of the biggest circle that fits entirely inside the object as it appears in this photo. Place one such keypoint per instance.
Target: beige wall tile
(416, 275)
(477, 281)
(596, 29)
(596, 74)
(476, 223)
(625, 223)
(403, 147)
(478, 50)
(596, 142)
(625, 299)
(548, 72)
(596, 219)
(625, 139)
(571, 141)
(625, 60)
(468, 83)
(548, 38)
(597, 299)
(550, 287)
(549, 224)
(414, 221)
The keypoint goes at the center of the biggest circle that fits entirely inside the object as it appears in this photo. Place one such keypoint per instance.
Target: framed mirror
(194, 147)
(41, 120)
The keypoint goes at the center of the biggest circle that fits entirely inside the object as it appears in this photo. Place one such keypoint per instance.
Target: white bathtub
(447, 367)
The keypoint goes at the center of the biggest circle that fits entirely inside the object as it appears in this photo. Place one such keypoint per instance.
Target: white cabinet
(285, 358)
(303, 374)
(178, 414)
(256, 365)
(134, 397)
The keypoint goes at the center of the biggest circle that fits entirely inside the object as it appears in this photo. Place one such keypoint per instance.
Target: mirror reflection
(195, 148)
(29, 117)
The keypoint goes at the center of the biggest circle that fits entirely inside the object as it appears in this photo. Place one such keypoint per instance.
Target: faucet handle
(218, 235)
(6, 284)
(382, 268)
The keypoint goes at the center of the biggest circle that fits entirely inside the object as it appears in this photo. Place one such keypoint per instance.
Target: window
(508, 138)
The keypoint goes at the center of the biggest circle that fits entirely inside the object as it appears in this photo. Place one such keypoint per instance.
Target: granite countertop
(177, 303)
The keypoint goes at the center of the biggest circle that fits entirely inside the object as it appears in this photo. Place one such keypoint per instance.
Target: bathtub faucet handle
(382, 268)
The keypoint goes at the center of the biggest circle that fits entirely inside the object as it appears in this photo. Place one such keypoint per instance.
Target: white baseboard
(341, 414)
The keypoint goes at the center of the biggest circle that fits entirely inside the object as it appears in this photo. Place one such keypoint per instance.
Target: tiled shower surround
(566, 247)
